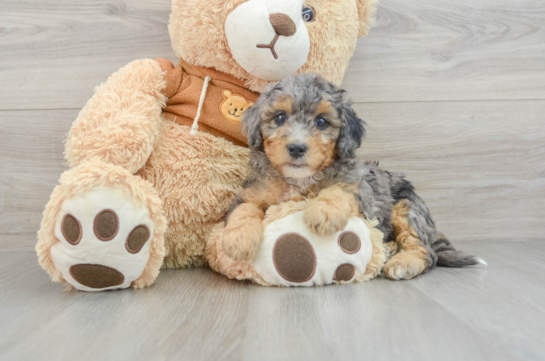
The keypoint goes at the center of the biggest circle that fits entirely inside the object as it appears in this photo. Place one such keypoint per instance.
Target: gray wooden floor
(454, 96)
(495, 313)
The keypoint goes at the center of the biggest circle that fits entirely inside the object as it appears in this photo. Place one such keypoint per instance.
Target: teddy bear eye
(308, 13)
(321, 123)
(280, 119)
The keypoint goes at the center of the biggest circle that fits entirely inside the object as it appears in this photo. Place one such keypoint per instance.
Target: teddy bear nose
(282, 24)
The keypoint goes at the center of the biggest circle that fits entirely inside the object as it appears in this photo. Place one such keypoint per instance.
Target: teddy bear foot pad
(103, 240)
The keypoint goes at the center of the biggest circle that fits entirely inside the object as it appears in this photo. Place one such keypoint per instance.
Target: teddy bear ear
(227, 93)
(250, 104)
(366, 13)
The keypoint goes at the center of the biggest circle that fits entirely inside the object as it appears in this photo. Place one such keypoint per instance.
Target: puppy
(303, 135)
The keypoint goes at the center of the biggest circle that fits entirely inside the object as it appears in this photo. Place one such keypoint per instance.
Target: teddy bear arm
(122, 122)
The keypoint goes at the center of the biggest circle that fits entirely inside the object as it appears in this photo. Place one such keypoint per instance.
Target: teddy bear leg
(102, 229)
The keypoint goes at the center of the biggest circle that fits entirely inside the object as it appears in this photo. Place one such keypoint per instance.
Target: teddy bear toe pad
(104, 240)
(299, 257)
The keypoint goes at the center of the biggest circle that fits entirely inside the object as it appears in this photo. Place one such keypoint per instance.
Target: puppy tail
(447, 256)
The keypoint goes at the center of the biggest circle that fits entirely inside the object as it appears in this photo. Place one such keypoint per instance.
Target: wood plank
(431, 50)
(52, 54)
(195, 310)
(513, 276)
(31, 158)
(480, 166)
(199, 315)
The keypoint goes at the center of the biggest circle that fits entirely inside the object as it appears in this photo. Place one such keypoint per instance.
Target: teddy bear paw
(104, 240)
(299, 257)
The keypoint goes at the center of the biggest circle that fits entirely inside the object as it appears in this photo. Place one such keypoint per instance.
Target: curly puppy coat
(303, 135)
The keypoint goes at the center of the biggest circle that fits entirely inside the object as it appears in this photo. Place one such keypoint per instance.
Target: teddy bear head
(260, 41)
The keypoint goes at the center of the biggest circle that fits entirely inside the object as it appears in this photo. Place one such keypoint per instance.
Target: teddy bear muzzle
(269, 33)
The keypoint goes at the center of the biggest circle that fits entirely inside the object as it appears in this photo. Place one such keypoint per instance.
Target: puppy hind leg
(415, 256)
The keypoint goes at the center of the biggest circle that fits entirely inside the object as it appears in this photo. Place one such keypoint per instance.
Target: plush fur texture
(121, 123)
(292, 112)
(333, 35)
(197, 178)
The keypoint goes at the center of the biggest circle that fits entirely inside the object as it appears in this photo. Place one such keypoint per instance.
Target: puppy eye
(308, 13)
(280, 119)
(321, 123)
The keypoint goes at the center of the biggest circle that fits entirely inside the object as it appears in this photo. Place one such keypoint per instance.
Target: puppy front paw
(324, 219)
(241, 241)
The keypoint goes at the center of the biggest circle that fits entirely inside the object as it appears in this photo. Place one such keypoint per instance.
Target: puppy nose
(297, 150)
(282, 24)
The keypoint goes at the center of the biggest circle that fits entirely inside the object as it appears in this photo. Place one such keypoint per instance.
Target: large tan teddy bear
(158, 153)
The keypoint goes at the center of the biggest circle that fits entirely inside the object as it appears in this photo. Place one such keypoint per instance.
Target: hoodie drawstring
(195, 126)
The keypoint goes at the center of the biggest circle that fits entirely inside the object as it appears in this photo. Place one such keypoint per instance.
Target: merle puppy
(303, 135)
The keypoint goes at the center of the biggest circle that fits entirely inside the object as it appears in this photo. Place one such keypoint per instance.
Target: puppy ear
(352, 132)
(252, 125)
(366, 13)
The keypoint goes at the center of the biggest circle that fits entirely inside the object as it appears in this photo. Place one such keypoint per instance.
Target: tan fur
(276, 148)
(196, 176)
(391, 247)
(244, 232)
(328, 110)
(412, 257)
(85, 177)
(379, 256)
(329, 212)
(268, 193)
(321, 152)
(121, 123)
(222, 263)
(285, 104)
(333, 36)
(366, 12)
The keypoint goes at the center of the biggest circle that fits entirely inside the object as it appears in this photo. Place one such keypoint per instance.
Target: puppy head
(303, 123)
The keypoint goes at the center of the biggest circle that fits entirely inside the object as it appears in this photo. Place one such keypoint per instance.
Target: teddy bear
(158, 153)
